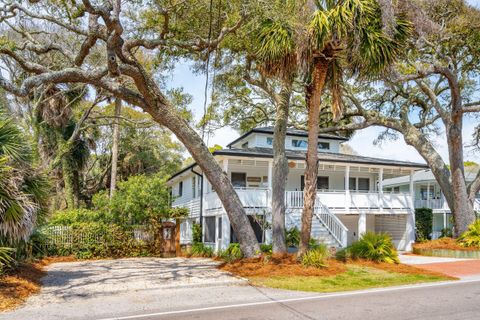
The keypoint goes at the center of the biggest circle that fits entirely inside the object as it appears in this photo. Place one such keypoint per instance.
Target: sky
(362, 141)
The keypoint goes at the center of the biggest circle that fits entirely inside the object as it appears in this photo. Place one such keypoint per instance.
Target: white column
(362, 224)
(225, 165)
(410, 227)
(270, 183)
(445, 226)
(347, 188)
(380, 188)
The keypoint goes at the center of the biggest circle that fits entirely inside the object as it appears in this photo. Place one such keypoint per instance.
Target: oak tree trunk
(164, 114)
(280, 171)
(115, 145)
(313, 96)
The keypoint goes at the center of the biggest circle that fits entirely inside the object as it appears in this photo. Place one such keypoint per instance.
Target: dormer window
(299, 143)
(269, 141)
(323, 146)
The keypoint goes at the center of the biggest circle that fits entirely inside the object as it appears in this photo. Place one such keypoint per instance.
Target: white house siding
(351, 222)
(395, 225)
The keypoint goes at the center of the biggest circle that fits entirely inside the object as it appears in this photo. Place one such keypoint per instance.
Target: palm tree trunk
(280, 171)
(115, 143)
(312, 95)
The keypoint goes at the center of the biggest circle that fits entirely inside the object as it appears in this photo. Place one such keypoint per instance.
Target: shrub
(423, 223)
(201, 250)
(232, 253)
(316, 257)
(293, 237)
(343, 254)
(446, 233)
(69, 217)
(376, 247)
(197, 233)
(471, 237)
(6, 258)
(266, 248)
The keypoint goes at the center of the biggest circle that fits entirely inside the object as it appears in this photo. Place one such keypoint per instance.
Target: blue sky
(362, 142)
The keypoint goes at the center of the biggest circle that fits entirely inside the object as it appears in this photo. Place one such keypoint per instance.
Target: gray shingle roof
(427, 176)
(323, 156)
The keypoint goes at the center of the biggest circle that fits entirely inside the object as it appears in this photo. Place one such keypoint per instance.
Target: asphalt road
(447, 301)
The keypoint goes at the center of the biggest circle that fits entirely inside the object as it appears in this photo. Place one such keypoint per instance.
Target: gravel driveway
(76, 289)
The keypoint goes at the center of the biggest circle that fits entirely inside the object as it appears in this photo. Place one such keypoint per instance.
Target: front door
(239, 179)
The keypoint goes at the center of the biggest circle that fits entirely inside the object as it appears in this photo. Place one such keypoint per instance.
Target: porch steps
(319, 232)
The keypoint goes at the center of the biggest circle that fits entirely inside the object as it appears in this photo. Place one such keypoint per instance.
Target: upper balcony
(340, 201)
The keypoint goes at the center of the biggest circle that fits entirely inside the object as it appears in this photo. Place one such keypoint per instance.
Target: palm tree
(23, 191)
(342, 36)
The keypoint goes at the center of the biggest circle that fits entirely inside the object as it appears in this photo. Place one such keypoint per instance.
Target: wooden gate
(168, 235)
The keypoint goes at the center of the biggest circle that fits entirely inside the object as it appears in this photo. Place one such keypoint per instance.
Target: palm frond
(276, 48)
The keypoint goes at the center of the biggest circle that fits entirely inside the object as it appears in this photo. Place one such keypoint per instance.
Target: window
(245, 145)
(360, 184)
(352, 183)
(239, 179)
(194, 186)
(209, 229)
(424, 194)
(299, 143)
(323, 146)
(322, 183)
(363, 184)
(270, 141)
(220, 228)
(180, 189)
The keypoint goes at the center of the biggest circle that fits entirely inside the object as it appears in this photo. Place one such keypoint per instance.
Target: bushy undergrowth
(293, 237)
(201, 250)
(6, 258)
(316, 257)
(377, 247)
(471, 237)
(266, 248)
(232, 253)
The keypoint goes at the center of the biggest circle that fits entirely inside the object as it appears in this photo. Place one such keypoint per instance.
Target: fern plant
(6, 258)
(376, 247)
(471, 237)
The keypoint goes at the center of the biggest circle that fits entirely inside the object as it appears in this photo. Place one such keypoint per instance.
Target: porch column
(380, 188)
(270, 183)
(225, 165)
(347, 188)
(445, 226)
(362, 224)
(410, 227)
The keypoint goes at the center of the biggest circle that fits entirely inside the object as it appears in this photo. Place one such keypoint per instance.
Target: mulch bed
(443, 243)
(287, 265)
(284, 265)
(16, 286)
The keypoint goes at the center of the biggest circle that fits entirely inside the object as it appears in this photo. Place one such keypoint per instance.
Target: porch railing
(431, 203)
(192, 205)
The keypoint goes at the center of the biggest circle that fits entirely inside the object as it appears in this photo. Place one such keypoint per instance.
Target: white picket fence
(65, 236)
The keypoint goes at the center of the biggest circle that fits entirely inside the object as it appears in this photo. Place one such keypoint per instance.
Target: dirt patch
(443, 243)
(16, 286)
(286, 265)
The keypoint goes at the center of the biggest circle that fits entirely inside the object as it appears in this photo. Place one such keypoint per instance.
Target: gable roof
(290, 132)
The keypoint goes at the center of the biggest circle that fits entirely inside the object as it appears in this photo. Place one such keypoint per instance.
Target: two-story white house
(428, 194)
(350, 199)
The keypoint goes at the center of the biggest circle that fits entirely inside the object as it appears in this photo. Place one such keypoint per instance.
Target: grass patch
(356, 277)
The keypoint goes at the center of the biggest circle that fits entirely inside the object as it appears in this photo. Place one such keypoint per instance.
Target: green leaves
(471, 237)
(376, 247)
(276, 48)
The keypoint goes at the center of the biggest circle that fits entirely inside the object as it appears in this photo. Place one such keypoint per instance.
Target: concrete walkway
(460, 268)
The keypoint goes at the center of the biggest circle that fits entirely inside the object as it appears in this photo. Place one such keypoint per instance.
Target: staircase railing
(331, 222)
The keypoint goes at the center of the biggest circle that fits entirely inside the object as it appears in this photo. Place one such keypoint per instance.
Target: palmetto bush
(6, 258)
(232, 253)
(316, 257)
(23, 191)
(471, 237)
(373, 246)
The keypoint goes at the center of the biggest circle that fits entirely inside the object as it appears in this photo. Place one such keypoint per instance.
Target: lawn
(356, 277)
(286, 273)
